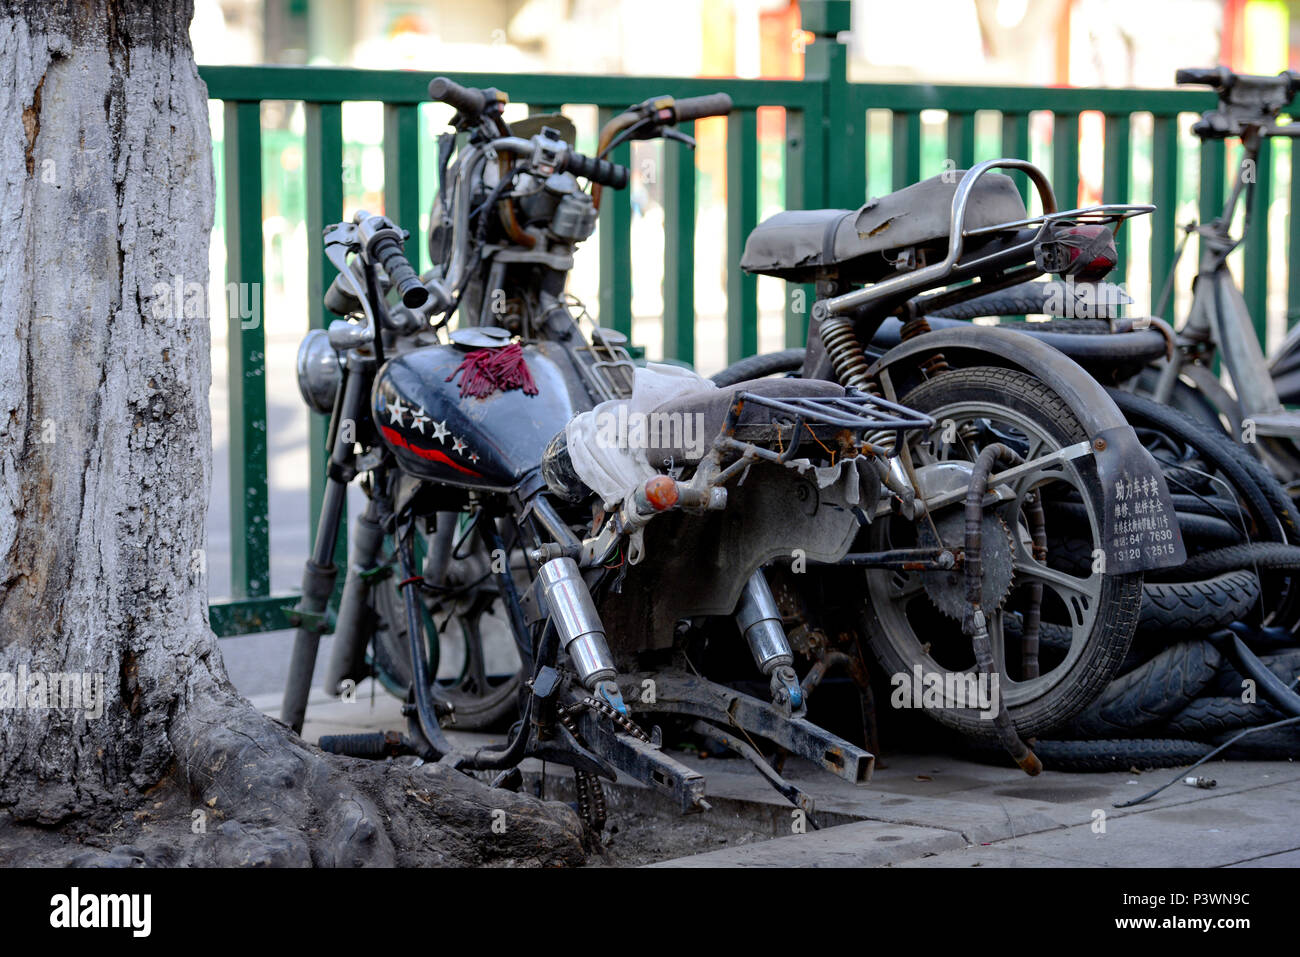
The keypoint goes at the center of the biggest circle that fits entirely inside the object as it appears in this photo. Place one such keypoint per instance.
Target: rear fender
(1140, 530)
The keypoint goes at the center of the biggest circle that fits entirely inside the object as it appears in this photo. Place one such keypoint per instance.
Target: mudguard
(1140, 528)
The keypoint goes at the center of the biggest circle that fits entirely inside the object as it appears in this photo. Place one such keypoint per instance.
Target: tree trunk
(105, 462)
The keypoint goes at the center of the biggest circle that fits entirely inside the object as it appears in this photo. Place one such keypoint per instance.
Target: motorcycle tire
(1107, 616)
(1025, 299)
(480, 703)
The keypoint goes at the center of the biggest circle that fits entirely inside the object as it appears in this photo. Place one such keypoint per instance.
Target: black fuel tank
(479, 443)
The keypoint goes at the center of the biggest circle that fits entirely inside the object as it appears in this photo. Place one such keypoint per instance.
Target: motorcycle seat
(811, 244)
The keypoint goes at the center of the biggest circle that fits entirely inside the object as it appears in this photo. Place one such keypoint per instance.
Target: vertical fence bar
(679, 249)
(907, 149)
(614, 237)
(1015, 145)
(402, 168)
(250, 546)
(1293, 241)
(1164, 194)
(742, 217)
(1115, 181)
(323, 143)
(961, 139)
(1255, 280)
(1065, 159)
(798, 299)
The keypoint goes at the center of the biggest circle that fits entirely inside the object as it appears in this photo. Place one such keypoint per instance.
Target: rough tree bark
(105, 459)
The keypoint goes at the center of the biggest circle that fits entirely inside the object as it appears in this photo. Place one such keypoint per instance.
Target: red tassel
(494, 370)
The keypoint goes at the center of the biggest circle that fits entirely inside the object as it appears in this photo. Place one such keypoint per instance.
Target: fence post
(843, 131)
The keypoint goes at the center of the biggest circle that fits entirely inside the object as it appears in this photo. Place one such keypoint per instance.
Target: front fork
(569, 603)
(311, 613)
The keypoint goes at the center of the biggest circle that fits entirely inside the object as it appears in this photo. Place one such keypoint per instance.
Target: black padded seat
(806, 245)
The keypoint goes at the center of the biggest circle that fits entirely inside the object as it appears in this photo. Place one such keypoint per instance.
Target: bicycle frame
(1219, 319)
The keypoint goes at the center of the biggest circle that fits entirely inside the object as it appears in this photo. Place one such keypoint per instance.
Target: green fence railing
(831, 158)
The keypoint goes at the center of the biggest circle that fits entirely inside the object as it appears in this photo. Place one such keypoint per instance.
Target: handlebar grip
(403, 276)
(598, 171)
(467, 101)
(698, 107)
(1218, 77)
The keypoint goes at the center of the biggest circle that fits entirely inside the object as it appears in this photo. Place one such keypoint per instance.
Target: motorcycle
(617, 516)
(1077, 509)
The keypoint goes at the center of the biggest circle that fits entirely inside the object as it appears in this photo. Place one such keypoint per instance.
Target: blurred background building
(1035, 42)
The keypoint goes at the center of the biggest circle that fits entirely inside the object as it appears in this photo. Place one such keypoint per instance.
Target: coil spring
(918, 326)
(848, 358)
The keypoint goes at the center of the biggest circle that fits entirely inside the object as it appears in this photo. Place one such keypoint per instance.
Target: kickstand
(747, 751)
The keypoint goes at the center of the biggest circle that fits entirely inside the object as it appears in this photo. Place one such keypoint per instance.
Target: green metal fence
(828, 153)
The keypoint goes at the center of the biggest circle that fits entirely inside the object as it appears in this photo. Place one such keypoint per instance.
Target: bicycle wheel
(914, 618)
(476, 665)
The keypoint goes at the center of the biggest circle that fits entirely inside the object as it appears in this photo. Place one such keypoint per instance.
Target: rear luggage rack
(859, 412)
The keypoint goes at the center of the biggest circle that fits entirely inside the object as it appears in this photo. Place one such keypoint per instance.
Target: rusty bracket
(677, 692)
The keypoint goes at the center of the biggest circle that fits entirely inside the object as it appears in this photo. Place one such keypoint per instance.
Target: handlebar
(467, 101)
(599, 171)
(1218, 77)
(389, 253)
(698, 107)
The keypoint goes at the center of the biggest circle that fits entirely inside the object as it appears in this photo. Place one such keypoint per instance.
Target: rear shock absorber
(848, 358)
(936, 364)
(760, 622)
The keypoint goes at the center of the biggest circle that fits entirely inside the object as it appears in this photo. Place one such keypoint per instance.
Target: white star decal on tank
(458, 445)
(473, 456)
(440, 431)
(418, 420)
(396, 410)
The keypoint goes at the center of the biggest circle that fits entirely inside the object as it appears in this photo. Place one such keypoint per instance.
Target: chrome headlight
(319, 371)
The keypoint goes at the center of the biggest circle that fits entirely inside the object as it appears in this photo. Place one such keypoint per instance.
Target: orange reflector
(661, 493)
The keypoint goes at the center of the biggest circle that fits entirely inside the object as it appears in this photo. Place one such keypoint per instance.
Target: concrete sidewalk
(939, 811)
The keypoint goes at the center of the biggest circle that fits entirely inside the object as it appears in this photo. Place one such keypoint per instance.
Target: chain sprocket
(947, 589)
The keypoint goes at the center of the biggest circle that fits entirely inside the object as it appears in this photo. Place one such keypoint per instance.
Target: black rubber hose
(1271, 688)
(1284, 664)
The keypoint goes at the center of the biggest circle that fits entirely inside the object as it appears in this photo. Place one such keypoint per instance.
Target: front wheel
(1088, 617)
(471, 651)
